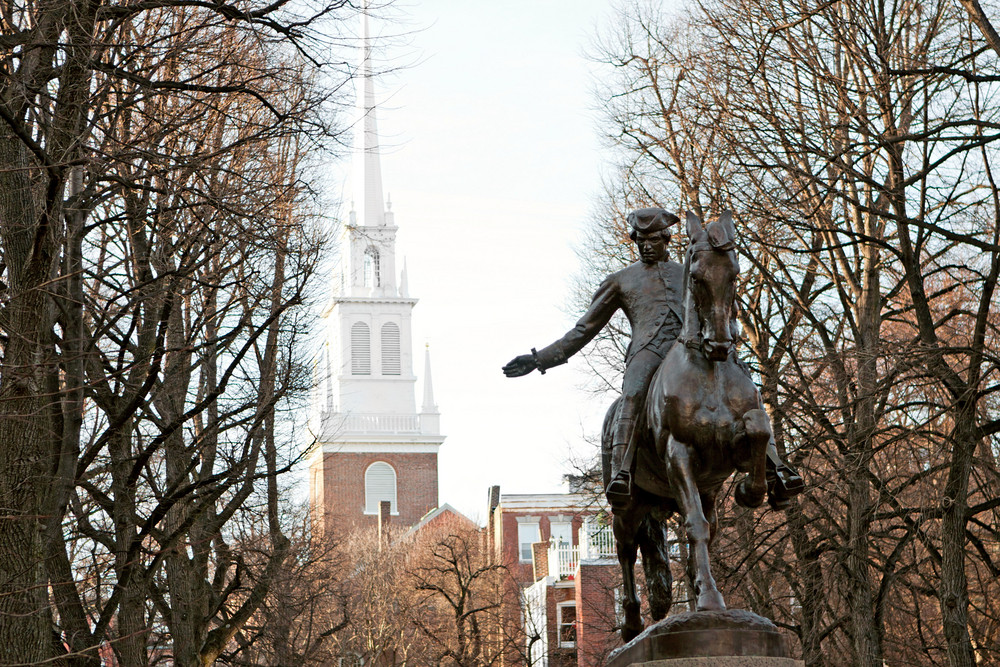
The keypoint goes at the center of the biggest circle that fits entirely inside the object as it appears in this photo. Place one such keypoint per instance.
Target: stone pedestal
(732, 638)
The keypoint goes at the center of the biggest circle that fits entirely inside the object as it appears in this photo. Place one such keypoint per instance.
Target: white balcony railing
(596, 540)
(376, 423)
(563, 559)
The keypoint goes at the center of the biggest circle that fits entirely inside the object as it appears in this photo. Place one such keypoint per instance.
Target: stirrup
(619, 491)
(783, 483)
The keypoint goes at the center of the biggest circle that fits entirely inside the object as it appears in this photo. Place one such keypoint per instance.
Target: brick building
(372, 443)
(560, 550)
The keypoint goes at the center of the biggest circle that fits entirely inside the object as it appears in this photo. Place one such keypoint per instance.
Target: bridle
(697, 341)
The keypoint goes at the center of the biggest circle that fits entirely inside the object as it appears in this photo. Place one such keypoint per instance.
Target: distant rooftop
(542, 501)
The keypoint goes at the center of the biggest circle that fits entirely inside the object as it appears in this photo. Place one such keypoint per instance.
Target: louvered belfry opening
(391, 364)
(380, 484)
(361, 349)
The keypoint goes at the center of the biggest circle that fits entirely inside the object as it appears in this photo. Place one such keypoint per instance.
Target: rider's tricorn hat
(649, 220)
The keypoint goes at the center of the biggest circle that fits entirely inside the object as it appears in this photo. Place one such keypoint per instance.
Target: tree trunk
(132, 630)
(954, 591)
(25, 427)
(865, 634)
(811, 590)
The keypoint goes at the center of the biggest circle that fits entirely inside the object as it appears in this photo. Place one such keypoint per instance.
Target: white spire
(429, 405)
(371, 232)
(404, 281)
(372, 204)
(430, 418)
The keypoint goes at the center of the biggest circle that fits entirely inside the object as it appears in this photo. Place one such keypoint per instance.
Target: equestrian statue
(689, 414)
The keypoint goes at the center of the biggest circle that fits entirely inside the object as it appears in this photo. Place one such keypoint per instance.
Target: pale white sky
(492, 158)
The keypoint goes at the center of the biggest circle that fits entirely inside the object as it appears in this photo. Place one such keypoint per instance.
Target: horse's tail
(607, 439)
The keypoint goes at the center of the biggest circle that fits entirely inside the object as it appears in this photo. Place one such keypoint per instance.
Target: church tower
(372, 443)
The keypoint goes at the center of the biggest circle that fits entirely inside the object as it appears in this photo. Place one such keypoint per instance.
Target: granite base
(731, 638)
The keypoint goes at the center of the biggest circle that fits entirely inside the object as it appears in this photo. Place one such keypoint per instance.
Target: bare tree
(155, 229)
(307, 605)
(855, 143)
(461, 596)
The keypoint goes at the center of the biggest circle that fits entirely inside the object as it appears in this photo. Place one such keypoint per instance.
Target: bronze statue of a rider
(649, 292)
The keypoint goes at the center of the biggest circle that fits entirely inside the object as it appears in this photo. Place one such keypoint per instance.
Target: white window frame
(561, 522)
(559, 623)
(371, 505)
(521, 544)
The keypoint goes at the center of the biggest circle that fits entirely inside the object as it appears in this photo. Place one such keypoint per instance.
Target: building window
(380, 484)
(566, 623)
(527, 534)
(390, 349)
(562, 532)
(372, 269)
(361, 349)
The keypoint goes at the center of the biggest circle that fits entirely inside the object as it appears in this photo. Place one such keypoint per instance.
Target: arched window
(361, 349)
(390, 349)
(372, 274)
(380, 484)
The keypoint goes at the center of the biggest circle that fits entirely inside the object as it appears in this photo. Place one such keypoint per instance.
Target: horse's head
(711, 269)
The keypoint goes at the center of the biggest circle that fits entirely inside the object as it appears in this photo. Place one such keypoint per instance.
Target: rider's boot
(783, 481)
(619, 490)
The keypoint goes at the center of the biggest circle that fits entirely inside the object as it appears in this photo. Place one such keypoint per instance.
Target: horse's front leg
(751, 489)
(699, 529)
(626, 548)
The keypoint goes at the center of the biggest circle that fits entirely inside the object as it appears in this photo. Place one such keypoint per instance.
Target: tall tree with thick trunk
(155, 231)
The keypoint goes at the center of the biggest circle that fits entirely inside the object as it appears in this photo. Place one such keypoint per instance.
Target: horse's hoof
(711, 601)
(745, 497)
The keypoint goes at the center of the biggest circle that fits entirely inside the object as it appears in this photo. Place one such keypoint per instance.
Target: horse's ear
(695, 231)
(726, 220)
(722, 233)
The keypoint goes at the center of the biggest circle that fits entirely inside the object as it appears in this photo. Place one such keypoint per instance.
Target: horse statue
(704, 419)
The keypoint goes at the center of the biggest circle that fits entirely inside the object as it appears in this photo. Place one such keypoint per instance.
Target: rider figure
(649, 292)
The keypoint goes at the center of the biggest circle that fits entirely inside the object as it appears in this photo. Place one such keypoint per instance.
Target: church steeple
(373, 443)
(370, 235)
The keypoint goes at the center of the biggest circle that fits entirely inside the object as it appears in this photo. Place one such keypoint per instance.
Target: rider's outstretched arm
(606, 300)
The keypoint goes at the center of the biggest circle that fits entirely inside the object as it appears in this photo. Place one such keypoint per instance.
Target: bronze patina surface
(689, 415)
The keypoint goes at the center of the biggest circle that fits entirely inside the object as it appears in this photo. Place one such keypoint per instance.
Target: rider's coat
(646, 293)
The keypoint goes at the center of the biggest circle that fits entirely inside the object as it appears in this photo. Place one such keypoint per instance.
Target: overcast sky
(492, 158)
